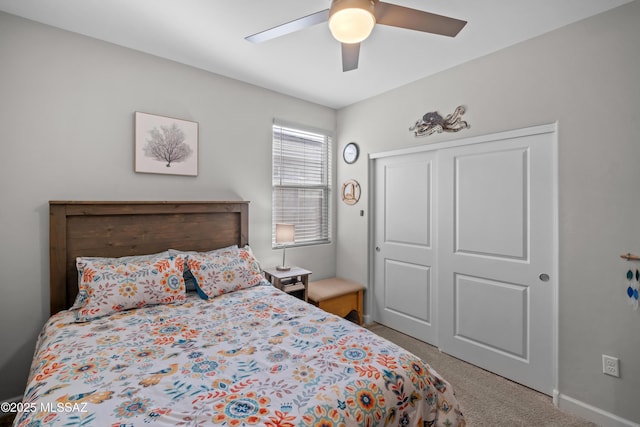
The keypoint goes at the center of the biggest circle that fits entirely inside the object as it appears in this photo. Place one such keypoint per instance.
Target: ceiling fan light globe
(351, 25)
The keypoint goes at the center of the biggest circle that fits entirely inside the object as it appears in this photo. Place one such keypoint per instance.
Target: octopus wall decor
(433, 122)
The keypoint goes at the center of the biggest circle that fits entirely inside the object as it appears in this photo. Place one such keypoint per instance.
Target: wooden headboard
(115, 229)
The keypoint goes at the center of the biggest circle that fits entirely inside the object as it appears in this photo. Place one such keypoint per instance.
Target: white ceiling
(209, 34)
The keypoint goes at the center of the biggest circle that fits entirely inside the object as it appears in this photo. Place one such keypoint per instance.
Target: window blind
(301, 183)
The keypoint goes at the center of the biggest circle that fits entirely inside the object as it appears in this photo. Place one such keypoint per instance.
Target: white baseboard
(591, 413)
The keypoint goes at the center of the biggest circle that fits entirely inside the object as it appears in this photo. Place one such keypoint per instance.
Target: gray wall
(66, 117)
(585, 77)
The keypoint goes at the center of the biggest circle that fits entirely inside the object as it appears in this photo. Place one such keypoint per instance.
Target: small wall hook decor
(433, 122)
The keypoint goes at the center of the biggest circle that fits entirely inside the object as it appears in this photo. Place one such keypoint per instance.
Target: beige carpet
(486, 399)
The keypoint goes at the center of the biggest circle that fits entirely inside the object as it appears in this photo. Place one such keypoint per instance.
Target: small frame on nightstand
(290, 281)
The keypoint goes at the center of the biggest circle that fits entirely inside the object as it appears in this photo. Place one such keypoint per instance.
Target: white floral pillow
(223, 272)
(189, 280)
(108, 287)
(148, 258)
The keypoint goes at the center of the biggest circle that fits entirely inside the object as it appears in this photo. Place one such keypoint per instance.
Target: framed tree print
(165, 145)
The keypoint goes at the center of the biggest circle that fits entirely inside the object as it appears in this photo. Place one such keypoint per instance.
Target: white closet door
(465, 250)
(404, 257)
(496, 269)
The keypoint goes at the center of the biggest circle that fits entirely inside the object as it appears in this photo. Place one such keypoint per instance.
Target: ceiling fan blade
(290, 27)
(350, 56)
(413, 19)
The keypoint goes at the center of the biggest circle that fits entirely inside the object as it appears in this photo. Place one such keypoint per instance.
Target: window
(301, 183)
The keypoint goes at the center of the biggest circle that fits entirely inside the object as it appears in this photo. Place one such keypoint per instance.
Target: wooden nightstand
(293, 280)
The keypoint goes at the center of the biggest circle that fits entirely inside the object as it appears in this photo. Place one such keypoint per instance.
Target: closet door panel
(492, 204)
(495, 243)
(404, 296)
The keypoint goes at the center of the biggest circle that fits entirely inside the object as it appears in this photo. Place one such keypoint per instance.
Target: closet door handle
(377, 248)
(544, 277)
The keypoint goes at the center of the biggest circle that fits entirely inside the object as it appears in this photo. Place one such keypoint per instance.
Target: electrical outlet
(610, 365)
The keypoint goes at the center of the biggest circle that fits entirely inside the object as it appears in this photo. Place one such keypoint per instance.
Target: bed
(240, 355)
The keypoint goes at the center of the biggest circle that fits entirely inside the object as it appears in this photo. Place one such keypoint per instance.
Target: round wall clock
(350, 192)
(350, 153)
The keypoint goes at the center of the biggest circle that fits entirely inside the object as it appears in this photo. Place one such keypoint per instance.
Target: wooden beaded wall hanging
(350, 192)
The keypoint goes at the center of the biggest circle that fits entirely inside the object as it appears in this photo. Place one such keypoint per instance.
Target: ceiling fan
(351, 22)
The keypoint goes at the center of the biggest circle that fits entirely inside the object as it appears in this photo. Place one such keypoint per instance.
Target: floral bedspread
(253, 357)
